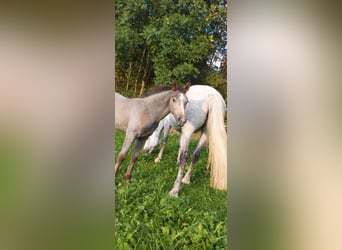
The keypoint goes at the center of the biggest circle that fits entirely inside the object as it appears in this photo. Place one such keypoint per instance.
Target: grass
(146, 217)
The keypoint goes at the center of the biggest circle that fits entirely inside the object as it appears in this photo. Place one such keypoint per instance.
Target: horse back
(132, 115)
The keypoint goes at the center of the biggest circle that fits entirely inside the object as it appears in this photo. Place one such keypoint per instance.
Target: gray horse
(205, 112)
(139, 117)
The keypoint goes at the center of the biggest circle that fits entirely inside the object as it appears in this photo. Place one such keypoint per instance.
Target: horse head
(178, 102)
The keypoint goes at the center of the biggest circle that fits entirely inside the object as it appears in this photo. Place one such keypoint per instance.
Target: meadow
(146, 217)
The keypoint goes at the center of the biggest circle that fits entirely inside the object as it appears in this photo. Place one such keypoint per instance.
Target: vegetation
(146, 217)
(157, 41)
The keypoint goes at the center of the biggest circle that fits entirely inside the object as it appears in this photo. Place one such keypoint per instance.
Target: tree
(157, 41)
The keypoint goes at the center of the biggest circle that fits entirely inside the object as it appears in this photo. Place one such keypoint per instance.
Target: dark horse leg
(140, 143)
(196, 154)
(125, 147)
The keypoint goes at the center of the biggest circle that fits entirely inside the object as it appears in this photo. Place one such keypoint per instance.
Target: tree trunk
(142, 88)
(129, 76)
(148, 71)
(139, 69)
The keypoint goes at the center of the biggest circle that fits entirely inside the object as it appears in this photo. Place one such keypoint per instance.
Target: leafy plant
(157, 41)
(146, 217)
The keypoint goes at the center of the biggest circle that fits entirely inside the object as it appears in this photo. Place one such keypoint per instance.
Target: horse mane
(160, 88)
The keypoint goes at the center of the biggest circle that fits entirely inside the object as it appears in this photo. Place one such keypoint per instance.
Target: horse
(204, 112)
(153, 140)
(138, 118)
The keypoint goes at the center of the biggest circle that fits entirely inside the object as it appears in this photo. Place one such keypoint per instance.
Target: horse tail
(217, 142)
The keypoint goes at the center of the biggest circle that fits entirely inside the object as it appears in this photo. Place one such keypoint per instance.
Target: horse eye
(173, 99)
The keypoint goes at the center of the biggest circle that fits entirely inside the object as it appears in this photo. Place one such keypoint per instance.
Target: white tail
(217, 142)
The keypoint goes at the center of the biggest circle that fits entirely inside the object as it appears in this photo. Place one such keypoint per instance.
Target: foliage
(146, 217)
(218, 82)
(157, 41)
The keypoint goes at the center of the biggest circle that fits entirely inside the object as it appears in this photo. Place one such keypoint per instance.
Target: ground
(146, 217)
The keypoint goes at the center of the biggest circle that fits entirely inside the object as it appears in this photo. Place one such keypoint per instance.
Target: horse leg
(138, 146)
(153, 140)
(179, 155)
(184, 155)
(166, 135)
(124, 150)
(179, 152)
(196, 155)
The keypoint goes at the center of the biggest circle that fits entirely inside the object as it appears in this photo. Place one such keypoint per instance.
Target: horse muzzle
(181, 121)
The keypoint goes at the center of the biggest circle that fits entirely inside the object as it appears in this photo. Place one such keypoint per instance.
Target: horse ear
(174, 86)
(187, 87)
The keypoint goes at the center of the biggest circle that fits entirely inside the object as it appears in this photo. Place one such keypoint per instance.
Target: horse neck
(159, 104)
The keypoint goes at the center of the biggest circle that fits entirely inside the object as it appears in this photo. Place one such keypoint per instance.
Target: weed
(146, 217)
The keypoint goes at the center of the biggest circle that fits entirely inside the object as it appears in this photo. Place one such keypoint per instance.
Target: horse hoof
(186, 181)
(173, 193)
(157, 160)
(127, 180)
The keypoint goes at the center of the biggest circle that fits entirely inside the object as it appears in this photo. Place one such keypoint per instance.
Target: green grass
(146, 217)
